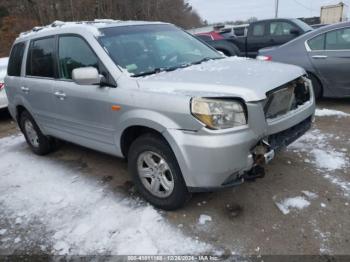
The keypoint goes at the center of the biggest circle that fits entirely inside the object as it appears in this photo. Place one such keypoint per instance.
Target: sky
(231, 10)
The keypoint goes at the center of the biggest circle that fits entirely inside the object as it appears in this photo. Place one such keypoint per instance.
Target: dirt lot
(300, 207)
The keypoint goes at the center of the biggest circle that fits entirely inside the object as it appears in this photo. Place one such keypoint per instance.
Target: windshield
(305, 27)
(147, 49)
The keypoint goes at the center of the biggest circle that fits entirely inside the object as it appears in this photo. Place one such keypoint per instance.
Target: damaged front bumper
(212, 160)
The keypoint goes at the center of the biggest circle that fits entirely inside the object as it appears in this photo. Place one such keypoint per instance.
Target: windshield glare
(147, 48)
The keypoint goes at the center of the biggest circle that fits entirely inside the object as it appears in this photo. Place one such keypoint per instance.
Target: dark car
(268, 33)
(217, 41)
(324, 53)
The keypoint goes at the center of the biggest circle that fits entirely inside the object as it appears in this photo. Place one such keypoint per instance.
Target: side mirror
(294, 32)
(86, 76)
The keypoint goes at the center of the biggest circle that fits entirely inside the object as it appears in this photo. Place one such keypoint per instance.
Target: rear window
(317, 43)
(40, 60)
(15, 62)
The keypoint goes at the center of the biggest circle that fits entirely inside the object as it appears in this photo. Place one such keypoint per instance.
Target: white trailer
(331, 14)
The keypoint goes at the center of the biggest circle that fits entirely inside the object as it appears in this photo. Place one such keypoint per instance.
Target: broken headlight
(218, 113)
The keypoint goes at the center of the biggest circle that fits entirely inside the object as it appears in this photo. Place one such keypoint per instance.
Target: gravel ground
(78, 201)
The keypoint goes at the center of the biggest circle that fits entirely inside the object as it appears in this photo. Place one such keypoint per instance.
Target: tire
(37, 141)
(146, 153)
(316, 86)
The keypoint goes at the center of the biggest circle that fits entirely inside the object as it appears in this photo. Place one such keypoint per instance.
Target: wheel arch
(321, 85)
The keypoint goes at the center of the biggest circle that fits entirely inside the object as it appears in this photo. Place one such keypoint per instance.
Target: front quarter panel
(156, 111)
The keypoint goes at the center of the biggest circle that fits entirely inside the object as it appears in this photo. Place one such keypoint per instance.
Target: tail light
(2, 86)
(264, 58)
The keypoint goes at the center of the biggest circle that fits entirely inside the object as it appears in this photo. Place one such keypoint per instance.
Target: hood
(248, 79)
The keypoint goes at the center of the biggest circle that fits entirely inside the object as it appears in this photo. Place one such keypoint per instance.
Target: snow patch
(288, 204)
(330, 112)
(204, 219)
(84, 217)
(329, 160)
(310, 195)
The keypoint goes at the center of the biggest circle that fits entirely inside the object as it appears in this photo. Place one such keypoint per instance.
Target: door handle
(320, 57)
(60, 95)
(25, 89)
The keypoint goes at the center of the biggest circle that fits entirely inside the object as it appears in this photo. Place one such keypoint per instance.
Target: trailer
(331, 14)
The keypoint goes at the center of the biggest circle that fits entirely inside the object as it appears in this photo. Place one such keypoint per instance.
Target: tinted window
(205, 38)
(338, 39)
(40, 60)
(281, 28)
(15, 62)
(73, 53)
(258, 30)
(317, 43)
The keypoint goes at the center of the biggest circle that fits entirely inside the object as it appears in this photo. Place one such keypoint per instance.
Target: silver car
(186, 118)
(3, 69)
(324, 54)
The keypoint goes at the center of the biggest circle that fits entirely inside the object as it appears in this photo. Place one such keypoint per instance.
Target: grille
(286, 98)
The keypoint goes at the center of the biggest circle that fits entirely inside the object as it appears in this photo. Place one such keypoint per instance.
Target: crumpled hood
(248, 79)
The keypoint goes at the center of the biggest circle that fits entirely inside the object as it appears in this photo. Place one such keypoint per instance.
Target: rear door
(84, 114)
(330, 54)
(37, 86)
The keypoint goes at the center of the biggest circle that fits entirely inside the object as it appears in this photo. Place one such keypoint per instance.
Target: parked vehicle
(217, 41)
(186, 118)
(234, 31)
(267, 33)
(324, 54)
(3, 69)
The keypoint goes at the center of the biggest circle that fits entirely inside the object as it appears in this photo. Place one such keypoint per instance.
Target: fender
(142, 117)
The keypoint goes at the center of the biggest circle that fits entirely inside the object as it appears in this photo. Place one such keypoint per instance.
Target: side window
(280, 28)
(259, 29)
(74, 52)
(317, 43)
(338, 39)
(40, 61)
(15, 62)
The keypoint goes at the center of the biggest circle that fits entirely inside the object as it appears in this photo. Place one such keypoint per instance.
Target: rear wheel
(38, 142)
(156, 173)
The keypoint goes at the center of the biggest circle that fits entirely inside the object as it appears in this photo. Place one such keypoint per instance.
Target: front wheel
(156, 173)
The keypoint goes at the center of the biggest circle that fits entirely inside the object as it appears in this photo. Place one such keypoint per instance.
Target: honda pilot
(186, 118)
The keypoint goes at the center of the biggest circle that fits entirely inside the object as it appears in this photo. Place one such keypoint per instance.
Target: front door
(281, 32)
(83, 111)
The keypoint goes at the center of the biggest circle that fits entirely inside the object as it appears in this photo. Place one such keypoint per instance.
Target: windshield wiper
(168, 69)
(160, 69)
(206, 59)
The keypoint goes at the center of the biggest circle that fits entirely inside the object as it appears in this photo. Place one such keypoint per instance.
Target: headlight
(218, 113)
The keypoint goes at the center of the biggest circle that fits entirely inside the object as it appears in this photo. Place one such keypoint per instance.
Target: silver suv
(186, 118)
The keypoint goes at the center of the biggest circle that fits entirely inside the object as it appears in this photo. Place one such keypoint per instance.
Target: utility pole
(276, 8)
